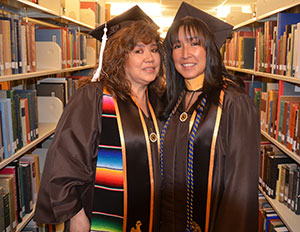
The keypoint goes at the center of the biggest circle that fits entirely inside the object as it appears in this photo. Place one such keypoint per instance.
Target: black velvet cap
(113, 25)
(219, 28)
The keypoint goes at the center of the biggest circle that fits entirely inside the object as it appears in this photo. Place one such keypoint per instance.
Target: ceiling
(169, 7)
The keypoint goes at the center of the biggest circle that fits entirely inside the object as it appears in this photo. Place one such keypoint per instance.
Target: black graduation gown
(234, 197)
(67, 183)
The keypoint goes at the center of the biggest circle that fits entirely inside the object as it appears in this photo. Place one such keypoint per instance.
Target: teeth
(188, 65)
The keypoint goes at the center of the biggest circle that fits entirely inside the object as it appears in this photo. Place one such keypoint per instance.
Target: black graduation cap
(219, 28)
(110, 27)
(133, 14)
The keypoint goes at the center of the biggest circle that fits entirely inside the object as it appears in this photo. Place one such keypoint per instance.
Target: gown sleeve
(238, 208)
(68, 172)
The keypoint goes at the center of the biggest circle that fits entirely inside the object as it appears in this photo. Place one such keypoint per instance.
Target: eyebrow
(188, 38)
(140, 44)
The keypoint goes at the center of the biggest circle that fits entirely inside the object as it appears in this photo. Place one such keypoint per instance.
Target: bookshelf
(51, 17)
(281, 147)
(267, 75)
(266, 72)
(25, 221)
(33, 10)
(45, 130)
(290, 219)
(23, 76)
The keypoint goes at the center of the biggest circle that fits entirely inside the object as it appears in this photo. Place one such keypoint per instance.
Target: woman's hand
(80, 222)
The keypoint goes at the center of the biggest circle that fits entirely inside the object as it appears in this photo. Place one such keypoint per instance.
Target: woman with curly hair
(102, 168)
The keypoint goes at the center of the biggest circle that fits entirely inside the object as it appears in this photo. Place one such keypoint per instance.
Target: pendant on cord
(183, 117)
(153, 137)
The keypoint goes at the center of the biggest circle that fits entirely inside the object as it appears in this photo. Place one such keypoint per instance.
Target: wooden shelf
(289, 218)
(25, 220)
(45, 130)
(263, 74)
(293, 155)
(38, 8)
(43, 73)
(29, 9)
(266, 15)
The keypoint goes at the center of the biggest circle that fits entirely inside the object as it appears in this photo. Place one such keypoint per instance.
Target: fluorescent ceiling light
(223, 11)
(151, 9)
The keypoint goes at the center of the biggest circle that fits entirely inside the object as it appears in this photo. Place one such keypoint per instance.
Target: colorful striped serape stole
(109, 174)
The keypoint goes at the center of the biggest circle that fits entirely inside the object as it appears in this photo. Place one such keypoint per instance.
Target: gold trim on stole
(122, 139)
(212, 158)
(149, 153)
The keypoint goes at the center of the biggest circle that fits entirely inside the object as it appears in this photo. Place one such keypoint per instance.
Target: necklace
(183, 116)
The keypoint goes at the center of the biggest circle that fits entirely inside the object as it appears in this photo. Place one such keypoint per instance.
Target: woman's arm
(68, 172)
(80, 222)
(238, 209)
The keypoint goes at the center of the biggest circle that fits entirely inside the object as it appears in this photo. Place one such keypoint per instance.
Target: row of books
(19, 120)
(22, 42)
(19, 115)
(280, 177)
(33, 227)
(19, 185)
(278, 104)
(271, 47)
(268, 219)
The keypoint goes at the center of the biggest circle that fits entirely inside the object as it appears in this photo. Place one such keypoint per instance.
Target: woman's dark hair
(117, 48)
(215, 70)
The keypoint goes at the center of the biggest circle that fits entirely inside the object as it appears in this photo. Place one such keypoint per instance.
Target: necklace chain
(190, 100)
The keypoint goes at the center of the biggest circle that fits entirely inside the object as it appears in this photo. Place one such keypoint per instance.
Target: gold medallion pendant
(183, 117)
(153, 137)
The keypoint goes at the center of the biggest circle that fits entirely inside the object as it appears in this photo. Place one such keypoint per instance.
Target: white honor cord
(103, 42)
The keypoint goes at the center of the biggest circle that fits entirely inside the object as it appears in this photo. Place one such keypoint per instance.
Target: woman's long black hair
(215, 70)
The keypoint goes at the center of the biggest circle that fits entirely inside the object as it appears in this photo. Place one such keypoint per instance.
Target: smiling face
(143, 64)
(189, 55)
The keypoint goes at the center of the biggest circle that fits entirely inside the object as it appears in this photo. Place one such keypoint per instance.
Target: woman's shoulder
(237, 96)
(234, 91)
(89, 90)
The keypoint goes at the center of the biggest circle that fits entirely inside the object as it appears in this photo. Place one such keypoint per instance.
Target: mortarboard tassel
(103, 43)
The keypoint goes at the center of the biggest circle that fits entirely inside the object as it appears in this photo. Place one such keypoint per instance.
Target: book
(7, 182)
(248, 45)
(9, 94)
(1, 55)
(57, 35)
(53, 90)
(2, 226)
(5, 25)
(1, 140)
(6, 117)
(24, 121)
(33, 175)
(284, 19)
(274, 160)
(31, 96)
(297, 192)
(26, 185)
(6, 206)
(13, 169)
(52, 82)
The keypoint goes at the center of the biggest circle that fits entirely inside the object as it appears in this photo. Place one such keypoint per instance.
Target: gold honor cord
(212, 158)
(122, 139)
(192, 120)
(149, 153)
